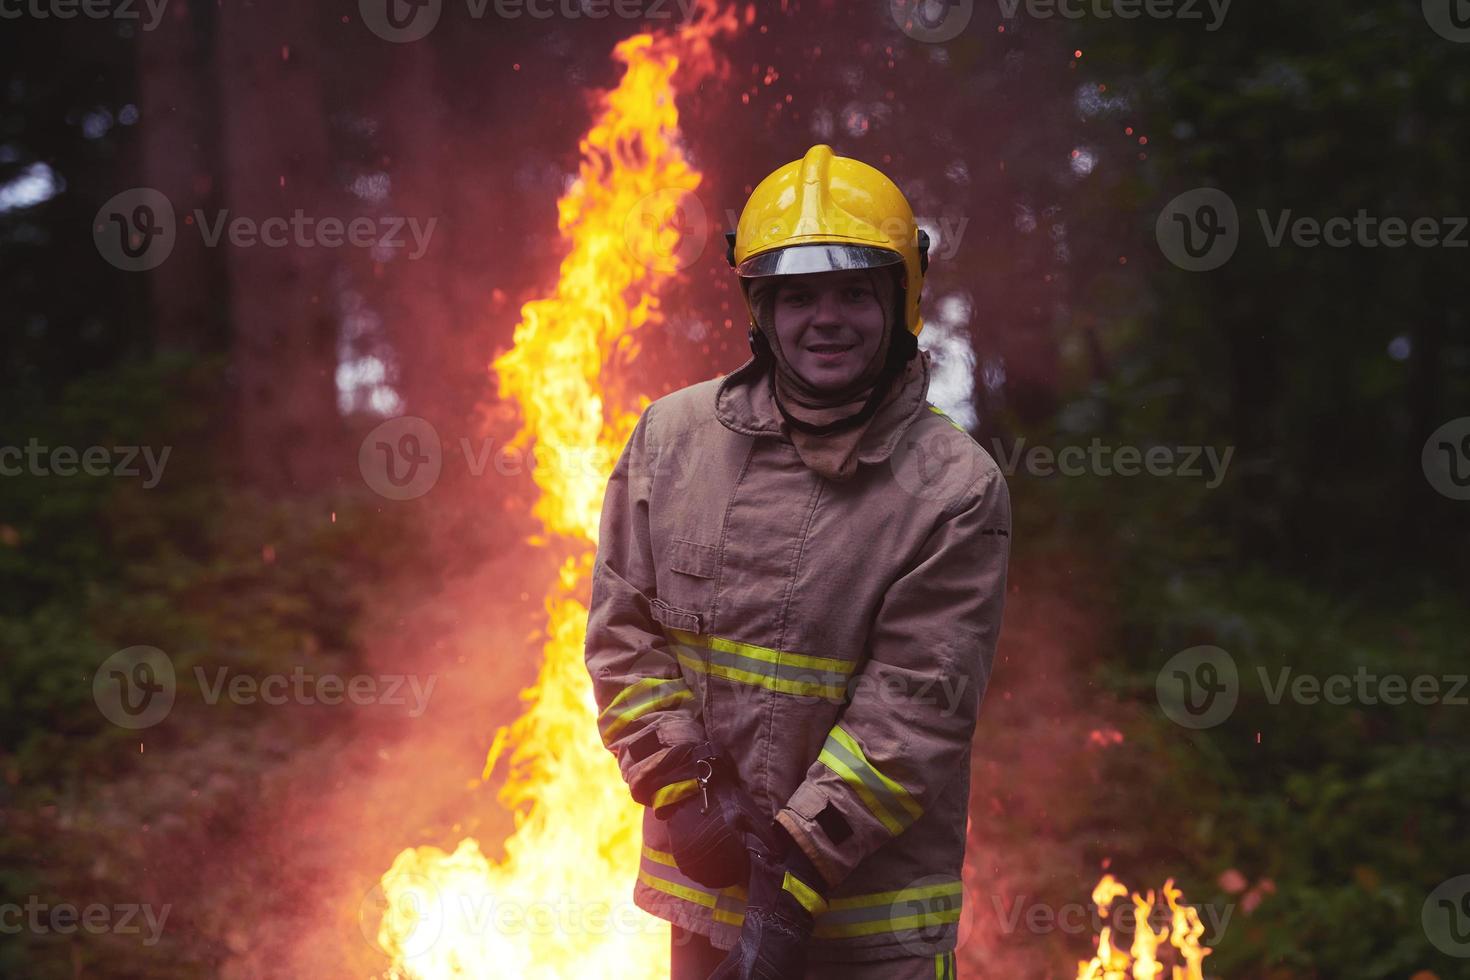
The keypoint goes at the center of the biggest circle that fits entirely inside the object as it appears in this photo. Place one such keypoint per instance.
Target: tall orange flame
(560, 903)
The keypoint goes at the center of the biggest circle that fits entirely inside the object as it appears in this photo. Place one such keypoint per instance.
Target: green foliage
(209, 573)
(1353, 810)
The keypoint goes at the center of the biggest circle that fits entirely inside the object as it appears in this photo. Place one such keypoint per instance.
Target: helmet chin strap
(902, 347)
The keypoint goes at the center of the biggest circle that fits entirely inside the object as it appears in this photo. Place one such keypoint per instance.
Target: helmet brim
(795, 260)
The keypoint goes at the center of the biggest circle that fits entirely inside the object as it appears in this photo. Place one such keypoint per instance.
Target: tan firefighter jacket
(834, 638)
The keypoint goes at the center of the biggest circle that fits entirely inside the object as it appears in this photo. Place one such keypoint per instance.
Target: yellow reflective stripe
(944, 966)
(783, 657)
(866, 915)
(888, 898)
(781, 684)
(920, 920)
(666, 858)
(690, 891)
(749, 663)
(866, 795)
(855, 915)
(804, 894)
(889, 802)
(680, 891)
(674, 792)
(946, 418)
(905, 800)
(648, 694)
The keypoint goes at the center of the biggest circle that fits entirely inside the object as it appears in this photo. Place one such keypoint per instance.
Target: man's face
(830, 325)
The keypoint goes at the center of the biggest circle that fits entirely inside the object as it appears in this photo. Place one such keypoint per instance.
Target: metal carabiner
(704, 777)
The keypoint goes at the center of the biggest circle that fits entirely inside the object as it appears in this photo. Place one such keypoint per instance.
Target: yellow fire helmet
(827, 213)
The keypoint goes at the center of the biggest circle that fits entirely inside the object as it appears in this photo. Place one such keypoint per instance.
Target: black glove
(786, 892)
(709, 816)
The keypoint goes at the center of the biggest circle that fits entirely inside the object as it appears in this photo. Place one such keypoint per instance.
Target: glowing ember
(560, 904)
(1142, 961)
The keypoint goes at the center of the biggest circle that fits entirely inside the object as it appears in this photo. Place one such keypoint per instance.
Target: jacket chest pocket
(686, 576)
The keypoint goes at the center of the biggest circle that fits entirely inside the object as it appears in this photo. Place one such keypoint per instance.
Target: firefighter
(795, 603)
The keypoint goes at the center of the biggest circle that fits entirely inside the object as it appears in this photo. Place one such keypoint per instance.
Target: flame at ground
(560, 903)
(1181, 931)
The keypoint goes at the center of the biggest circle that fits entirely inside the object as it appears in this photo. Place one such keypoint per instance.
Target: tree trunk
(282, 304)
(179, 147)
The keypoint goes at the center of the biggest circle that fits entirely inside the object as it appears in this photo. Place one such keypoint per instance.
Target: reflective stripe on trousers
(934, 906)
(692, 957)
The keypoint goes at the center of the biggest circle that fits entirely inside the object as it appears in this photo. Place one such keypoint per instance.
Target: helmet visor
(801, 259)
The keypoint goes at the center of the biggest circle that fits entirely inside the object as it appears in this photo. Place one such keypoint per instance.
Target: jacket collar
(743, 404)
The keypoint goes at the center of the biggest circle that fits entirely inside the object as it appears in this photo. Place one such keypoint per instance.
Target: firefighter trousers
(693, 957)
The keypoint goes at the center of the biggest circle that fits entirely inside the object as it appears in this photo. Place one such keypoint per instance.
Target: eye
(795, 297)
(857, 294)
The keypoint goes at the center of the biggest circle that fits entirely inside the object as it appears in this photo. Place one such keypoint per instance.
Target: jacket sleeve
(911, 714)
(644, 706)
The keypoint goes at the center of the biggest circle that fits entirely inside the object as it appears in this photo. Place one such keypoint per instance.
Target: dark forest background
(1055, 142)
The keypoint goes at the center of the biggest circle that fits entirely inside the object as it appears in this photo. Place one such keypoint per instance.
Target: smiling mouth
(829, 348)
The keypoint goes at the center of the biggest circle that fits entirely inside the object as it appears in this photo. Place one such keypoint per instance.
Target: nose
(826, 310)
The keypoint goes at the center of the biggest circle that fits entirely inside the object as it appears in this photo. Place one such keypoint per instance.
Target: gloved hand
(786, 892)
(709, 816)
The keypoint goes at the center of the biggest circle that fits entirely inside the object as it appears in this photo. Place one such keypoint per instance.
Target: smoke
(947, 339)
